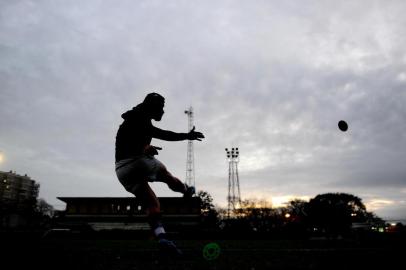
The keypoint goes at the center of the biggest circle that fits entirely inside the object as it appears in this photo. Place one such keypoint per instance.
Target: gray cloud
(272, 78)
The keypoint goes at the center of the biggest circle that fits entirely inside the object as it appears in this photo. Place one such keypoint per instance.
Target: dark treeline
(329, 215)
(326, 215)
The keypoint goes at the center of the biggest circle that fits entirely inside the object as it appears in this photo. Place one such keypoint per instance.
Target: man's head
(154, 103)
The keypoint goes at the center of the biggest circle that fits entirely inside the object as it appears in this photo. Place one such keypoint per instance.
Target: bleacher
(127, 213)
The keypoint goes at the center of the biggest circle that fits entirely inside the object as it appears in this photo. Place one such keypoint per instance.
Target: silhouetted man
(136, 164)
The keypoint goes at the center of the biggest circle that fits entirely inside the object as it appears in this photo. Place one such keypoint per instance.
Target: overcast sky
(270, 77)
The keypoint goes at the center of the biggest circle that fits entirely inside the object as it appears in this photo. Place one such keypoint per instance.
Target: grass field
(98, 253)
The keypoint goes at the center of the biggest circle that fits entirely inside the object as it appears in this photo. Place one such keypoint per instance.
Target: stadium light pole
(234, 194)
(190, 159)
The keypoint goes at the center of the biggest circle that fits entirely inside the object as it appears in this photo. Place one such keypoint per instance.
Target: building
(127, 213)
(18, 197)
(17, 189)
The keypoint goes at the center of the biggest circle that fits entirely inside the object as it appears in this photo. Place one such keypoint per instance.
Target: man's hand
(194, 135)
(151, 150)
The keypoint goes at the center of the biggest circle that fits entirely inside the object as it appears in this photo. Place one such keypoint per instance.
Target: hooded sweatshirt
(137, 131)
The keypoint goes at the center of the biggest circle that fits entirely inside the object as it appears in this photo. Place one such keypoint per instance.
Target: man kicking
(136, 164)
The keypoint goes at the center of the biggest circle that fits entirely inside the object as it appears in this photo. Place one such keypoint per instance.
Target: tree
(258, 214)
(297, 208)
(210, 216)
(296, 216)
(334, 213)
(44, 208)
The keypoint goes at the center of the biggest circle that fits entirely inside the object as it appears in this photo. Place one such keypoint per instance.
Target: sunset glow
(376, 204)
(273, 201)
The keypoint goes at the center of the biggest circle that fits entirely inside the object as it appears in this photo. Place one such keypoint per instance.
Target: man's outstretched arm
(175, 136)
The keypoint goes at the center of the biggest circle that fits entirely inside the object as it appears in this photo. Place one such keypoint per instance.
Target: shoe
(169, 247)
(190, 191)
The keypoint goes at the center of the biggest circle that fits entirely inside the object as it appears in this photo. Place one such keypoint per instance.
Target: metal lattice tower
(190, 161)
(234, 195)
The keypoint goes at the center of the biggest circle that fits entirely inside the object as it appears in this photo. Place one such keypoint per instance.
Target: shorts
(134, 172)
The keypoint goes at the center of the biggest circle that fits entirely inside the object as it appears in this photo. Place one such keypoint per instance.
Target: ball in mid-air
(342, 125)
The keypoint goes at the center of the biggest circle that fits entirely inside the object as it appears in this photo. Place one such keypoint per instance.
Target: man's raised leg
(174, 183)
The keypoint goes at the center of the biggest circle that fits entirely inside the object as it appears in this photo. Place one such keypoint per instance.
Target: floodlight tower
(190, 161)
(234, 195)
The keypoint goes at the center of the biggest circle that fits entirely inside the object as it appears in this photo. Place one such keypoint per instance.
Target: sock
(154, 221)
(160, 232)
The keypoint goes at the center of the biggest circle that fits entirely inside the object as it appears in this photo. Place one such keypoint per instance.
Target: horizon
(274, 203)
